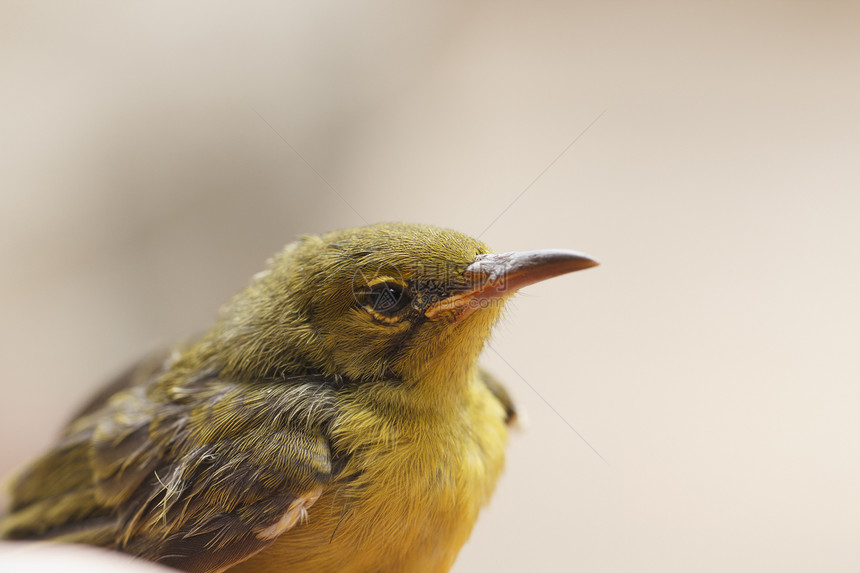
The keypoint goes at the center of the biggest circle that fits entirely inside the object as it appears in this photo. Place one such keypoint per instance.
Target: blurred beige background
(711, 360)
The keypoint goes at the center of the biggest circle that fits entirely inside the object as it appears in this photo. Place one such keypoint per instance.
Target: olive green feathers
(333, 419)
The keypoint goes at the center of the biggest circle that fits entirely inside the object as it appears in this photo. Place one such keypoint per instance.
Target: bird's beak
(495, 276)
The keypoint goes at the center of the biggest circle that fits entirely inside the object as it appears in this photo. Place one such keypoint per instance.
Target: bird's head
(386, 301)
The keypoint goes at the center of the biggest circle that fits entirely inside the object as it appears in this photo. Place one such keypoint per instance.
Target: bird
(334, 417)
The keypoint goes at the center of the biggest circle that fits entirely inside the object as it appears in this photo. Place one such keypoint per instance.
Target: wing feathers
(196, 475)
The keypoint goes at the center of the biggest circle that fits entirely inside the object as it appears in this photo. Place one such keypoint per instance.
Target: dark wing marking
(198, 475)
(501, 393)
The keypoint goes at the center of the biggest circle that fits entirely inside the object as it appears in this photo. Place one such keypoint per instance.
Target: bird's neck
(432, 398)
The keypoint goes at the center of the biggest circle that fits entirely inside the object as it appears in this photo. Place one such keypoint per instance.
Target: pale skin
(35, 557)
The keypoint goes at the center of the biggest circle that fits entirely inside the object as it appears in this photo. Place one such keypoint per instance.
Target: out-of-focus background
(154, 154)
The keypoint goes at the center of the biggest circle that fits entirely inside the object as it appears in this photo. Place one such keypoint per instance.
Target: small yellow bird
(333, 419)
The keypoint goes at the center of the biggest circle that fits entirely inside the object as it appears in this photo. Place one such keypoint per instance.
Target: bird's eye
(387, 298)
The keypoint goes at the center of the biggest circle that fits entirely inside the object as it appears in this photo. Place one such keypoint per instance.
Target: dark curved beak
(498, 275)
